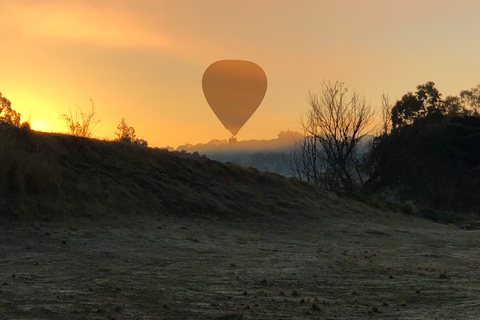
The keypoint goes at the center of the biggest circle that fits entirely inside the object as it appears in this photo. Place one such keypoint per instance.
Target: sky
(143, 60)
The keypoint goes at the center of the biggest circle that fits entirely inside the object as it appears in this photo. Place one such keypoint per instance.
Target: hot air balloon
(234, 89)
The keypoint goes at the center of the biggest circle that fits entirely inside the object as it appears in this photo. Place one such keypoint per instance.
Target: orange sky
(144, 60)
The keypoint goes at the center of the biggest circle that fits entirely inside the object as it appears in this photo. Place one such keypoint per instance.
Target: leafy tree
(430, 97)
(127, 134)
(454, 105)
(432, 153)
(426, 101)
(7, 114)
(435, 163)
(83, 126)
(472, 98)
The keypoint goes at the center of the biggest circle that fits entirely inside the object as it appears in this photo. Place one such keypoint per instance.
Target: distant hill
(54, 176)
(264, 155)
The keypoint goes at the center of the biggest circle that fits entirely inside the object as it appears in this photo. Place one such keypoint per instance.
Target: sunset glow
(144, 60)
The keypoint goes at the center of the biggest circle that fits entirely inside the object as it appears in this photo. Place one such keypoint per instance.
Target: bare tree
(303, 160)
(336, 122)
(386, 114)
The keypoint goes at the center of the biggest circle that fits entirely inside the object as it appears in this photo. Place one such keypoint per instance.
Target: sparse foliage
(304, 161)
(84, 125)
(454, 105)
(472, 98)
(386, 114)
(127, 134)
(330, 153)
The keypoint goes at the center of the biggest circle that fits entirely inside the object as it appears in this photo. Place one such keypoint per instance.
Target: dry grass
(135, 232)
(54, 176)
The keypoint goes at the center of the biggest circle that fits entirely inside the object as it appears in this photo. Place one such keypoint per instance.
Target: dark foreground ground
(311, 267)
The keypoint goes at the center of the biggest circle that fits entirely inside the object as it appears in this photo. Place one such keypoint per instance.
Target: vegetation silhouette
(8, 115)
(330, 153)
(432, 153)
(425, 155)
(127, 134)
(471, 99)
(83, 126)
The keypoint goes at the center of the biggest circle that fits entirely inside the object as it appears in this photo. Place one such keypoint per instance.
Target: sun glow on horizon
(41, 125)
(144, 60)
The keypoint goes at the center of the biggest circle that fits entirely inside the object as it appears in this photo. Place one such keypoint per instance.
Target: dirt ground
(306, 267)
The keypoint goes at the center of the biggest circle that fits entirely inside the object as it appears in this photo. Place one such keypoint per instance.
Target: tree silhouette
(426, 101)
(432, 153)
(127, 134)
(7, 114)
(472, 98)
(330, 154)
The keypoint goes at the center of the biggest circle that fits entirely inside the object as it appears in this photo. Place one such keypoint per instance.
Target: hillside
(53, 176)
(107, 230)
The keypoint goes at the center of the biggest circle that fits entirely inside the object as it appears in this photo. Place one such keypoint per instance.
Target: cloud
(80, 23)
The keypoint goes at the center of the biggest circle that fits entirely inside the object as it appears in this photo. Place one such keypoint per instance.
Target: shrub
(127, 134)
(88, 125)
(409, 208)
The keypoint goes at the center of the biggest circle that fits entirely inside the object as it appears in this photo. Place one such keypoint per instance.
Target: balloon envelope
(234, 89)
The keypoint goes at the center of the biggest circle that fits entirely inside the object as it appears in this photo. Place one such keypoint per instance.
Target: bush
(127, 134)
(409, 208)
(88, 125)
